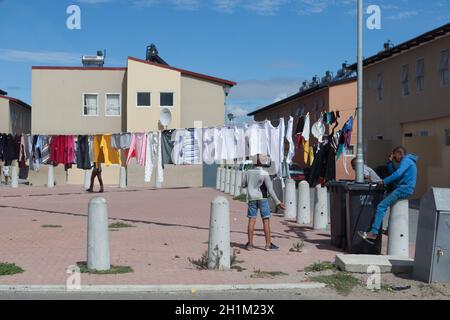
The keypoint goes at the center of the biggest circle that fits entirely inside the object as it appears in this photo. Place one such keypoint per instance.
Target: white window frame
(144, 107)
(346, 154)
(380, 86)
(405, 80)
(82, 104)
(420, 77)
(120, 104)
(442, 71)
(169, 107)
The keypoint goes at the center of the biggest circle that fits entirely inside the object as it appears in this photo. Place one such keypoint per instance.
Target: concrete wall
(201, 101)
(58, 101)
(396, 114)
(336, 98)
(4, 116)
(144, 77)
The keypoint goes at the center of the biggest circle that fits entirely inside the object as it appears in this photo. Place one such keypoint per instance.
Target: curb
(159, 288)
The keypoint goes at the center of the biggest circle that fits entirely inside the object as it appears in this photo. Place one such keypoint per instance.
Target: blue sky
(267, 46)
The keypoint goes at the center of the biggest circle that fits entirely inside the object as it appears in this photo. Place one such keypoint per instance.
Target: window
(420, 75)
(113, 105)
(405, 80)
(444, 68)
(166, 99)
(144, 99)
(380, 87)
(447, 137)
(350, 152)
(90, 105)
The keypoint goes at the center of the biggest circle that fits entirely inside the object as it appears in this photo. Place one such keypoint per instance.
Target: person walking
(404, 179)
(259, 187)
(96, 173)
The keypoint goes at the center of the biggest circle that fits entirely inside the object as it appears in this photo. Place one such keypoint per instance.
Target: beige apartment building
(334, 94)
(100, 100)
(15, 115)
(407, 102)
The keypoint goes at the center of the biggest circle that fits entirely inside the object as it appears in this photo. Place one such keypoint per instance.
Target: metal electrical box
(432, 261)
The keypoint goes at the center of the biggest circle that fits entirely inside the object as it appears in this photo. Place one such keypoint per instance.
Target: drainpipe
(360, 148)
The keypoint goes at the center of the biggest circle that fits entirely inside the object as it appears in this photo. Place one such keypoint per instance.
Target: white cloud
(251, 90)
(403, 15)
(94, 1)
(39, 56)
(237, 111)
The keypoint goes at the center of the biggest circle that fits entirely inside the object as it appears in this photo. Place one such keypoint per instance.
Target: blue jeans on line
(389, 201)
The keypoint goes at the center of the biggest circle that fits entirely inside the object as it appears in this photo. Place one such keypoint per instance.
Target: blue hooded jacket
(405, 177)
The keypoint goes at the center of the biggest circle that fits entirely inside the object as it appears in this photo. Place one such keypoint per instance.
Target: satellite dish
(165, 117)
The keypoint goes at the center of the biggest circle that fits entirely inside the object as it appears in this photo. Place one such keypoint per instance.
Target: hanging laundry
(258, 139)
(177, 151)
(191, 148)
(121, 141)
(289, 134)
(151, 156)
(167, 146)
(104, 152)
(275, 138)
(345, 138)
(22, 152)
(305, 138)
(62, 150)
(209, 146)
(160, 171)
(41, 151)
(318, 129)
(137, 148)
(84, 161)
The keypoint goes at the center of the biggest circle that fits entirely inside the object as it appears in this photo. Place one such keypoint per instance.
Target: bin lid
(353, 186)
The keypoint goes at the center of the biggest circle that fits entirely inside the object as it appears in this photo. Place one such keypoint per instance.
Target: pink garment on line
(138, 148)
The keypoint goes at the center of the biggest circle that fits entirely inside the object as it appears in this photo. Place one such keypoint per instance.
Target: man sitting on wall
(404, 180)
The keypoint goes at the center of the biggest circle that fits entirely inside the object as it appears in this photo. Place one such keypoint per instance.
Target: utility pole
(360, 147)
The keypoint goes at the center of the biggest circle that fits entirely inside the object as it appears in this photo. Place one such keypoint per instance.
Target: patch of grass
(9, 269)
(267, 274)
(202, 263)
(342, 282)
(297, 247)
(320, 266)
(242, 198)
(120, 225)
(51, 226)
(114, 269)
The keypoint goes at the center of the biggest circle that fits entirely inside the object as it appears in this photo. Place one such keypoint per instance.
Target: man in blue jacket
(404, 179)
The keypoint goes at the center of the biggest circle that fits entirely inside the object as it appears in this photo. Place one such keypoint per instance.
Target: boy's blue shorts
(262, 205)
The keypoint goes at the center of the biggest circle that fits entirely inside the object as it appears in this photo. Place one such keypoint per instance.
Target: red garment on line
(62, 150)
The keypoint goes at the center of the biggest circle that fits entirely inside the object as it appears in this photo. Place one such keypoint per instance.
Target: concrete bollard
(14, 177)
(87, 179)
(290, 196)
(232, 181)
(398, 243)
(321, 209)
(227, 180)
(304, 203)
(98, 237)
(278, 188)
(312, 199)
(238, 184)
(123, 178)
(222, 179)
(219, 235)
(51, 176)
(219, 172)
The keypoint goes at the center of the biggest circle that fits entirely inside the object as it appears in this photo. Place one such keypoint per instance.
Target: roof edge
(302, 94)
(18, 101)
(78, 68)
(188, 73)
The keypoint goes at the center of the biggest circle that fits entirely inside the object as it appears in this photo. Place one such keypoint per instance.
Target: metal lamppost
(360, 147)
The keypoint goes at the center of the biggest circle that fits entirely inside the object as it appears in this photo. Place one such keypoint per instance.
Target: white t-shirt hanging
(318, 129)
(276, 136)
(177, 152)
(239, 135)
(258, 139)
(307, 128)
(289, 133)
